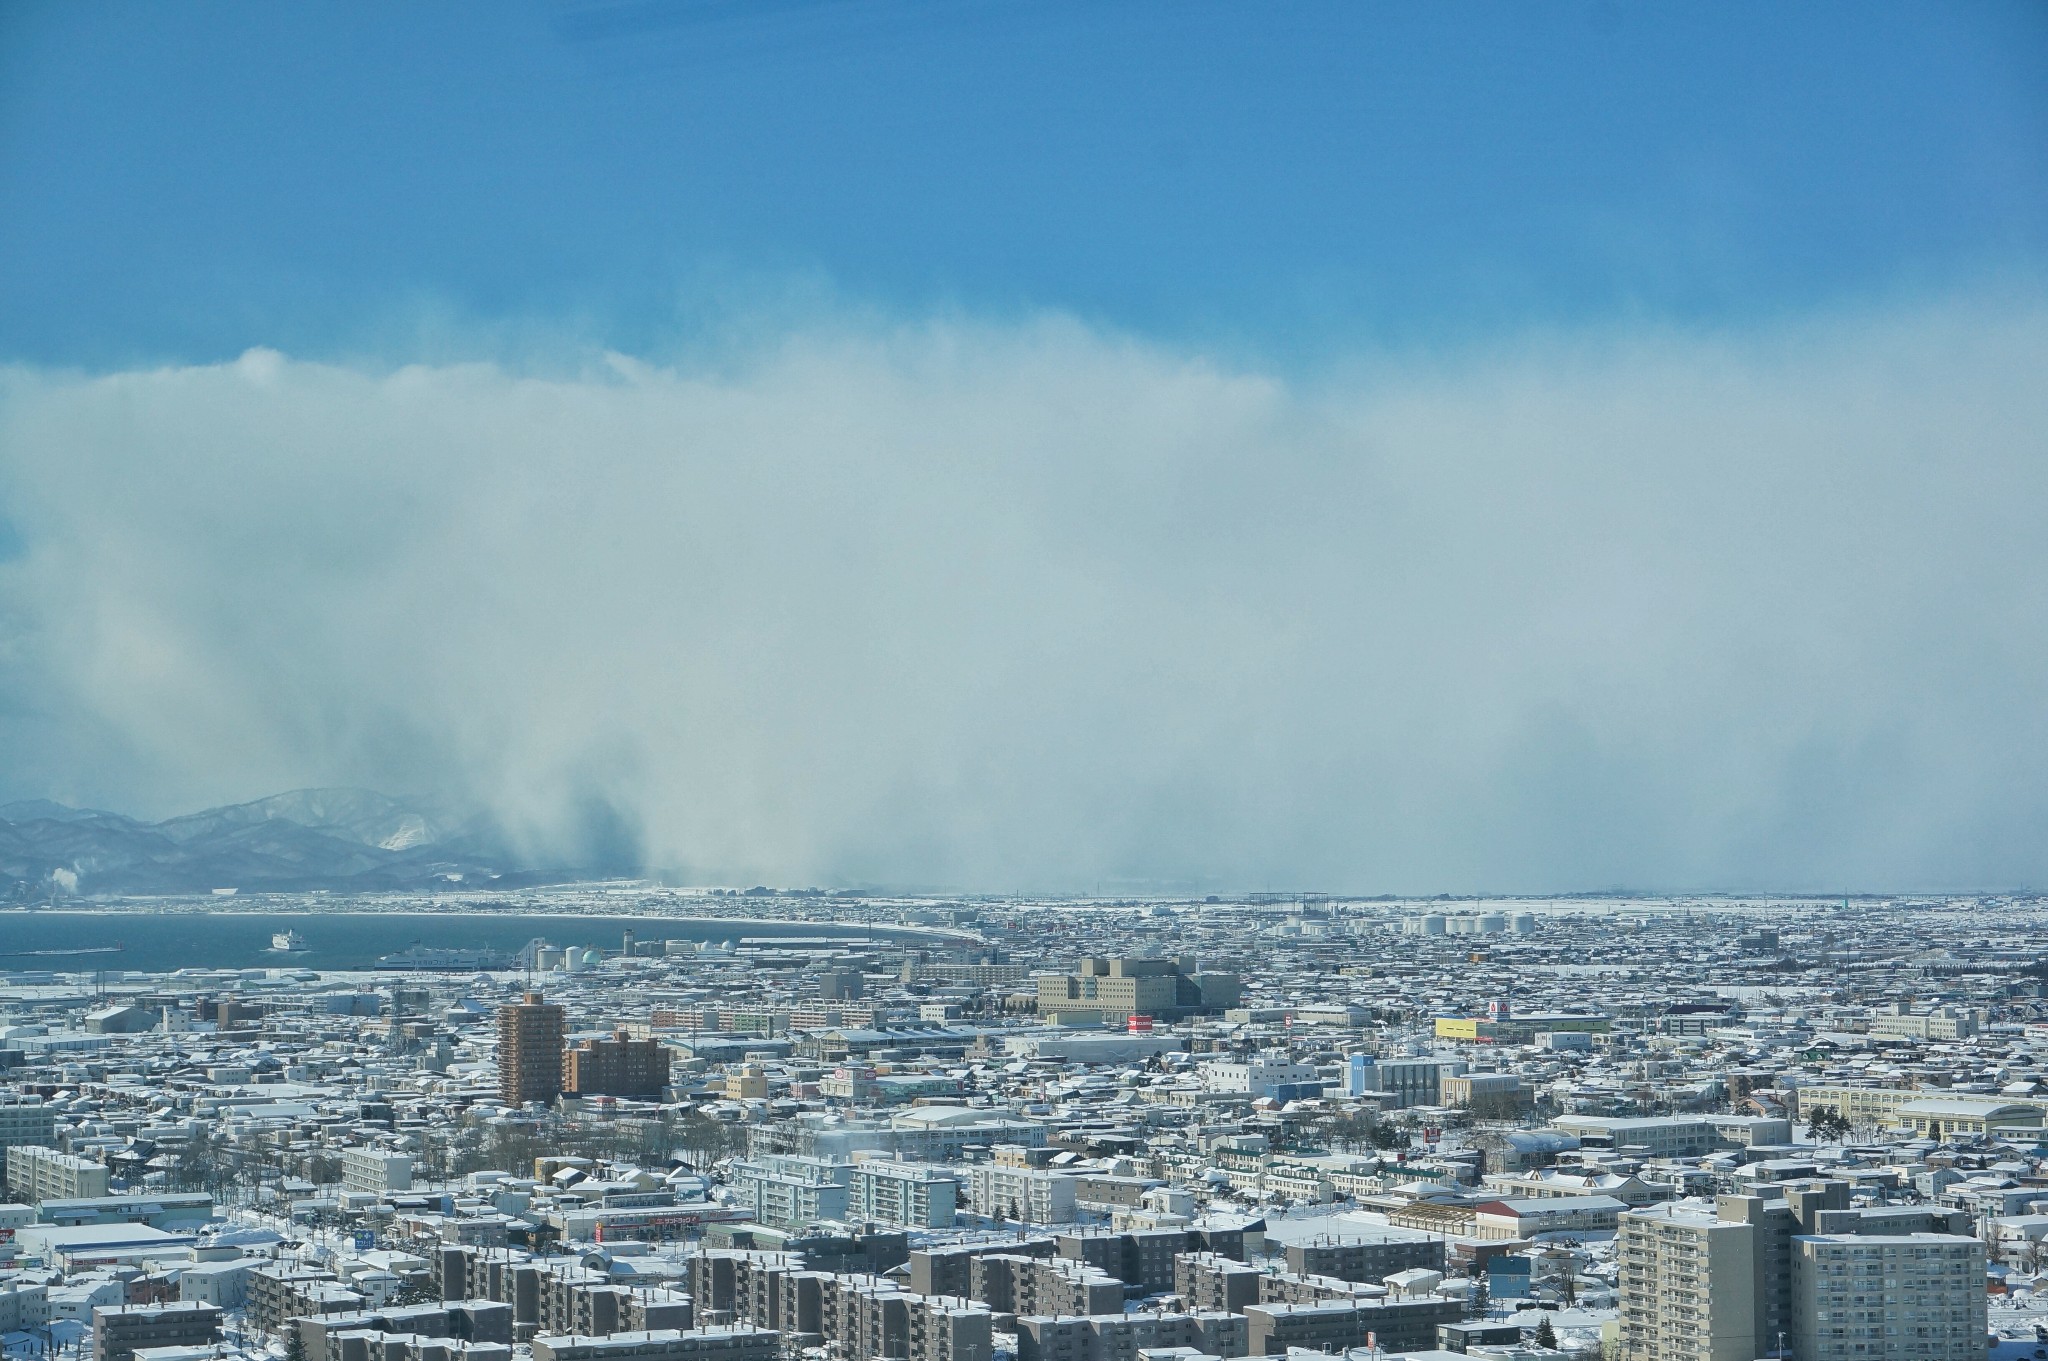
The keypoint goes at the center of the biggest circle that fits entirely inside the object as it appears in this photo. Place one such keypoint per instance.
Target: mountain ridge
(315, 838)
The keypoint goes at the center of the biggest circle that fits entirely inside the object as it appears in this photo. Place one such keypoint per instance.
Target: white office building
(1256, 1077)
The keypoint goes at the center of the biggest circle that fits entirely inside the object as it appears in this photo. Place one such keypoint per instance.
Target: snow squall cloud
(1031, 606)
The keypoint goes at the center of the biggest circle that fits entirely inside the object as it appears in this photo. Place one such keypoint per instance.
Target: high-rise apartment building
(1908, 1297)
(1688, 1286)
(617, 1066)
(529, 1051)
(1803, 1277)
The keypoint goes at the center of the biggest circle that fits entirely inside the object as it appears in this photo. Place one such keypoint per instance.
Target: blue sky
(1383, 448)
(184, 181)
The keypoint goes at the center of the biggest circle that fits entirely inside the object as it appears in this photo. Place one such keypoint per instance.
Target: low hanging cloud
(1032, 606)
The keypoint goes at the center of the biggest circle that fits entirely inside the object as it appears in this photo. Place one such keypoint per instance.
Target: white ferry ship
(290, 942)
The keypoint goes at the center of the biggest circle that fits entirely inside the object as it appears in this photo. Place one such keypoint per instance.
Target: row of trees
(698, 1139)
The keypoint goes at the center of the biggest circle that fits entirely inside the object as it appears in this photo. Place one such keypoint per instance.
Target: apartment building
(329, 1336)
(1208, 1281)
(37, 1174)
(23, 1305)
(1913, 1297)
(664, 1344)
(933, 1134)
(26, 1122)
(1037, 1285)
(1367, 1257)
(1337, 1326)
(617, 1066)
(785, 1189)
(579, 1301)
(950, 1270)
(909, 1194)
(375, 1171)
(119, 1330)
(1025, 1195)
(1120, 1336)
(278, 1294)
(1726, 1283)
(529, 1050)
(1688, 1286)
(951, 1330)
(867, 1316)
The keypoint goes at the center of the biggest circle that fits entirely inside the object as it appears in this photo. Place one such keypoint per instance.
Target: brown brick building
(529, 1051)
(619, 1066)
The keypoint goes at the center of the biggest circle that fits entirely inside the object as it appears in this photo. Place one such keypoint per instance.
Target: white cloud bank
(1033, 607)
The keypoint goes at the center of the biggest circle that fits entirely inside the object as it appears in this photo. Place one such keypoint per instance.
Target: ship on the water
(290, 942)
(426, 959)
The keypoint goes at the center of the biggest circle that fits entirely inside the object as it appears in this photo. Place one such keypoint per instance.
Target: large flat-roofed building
(1930, 1109)
(1526, 1217)
(664, 1344)
(1860, 1106)
(1114, 990)
(1257, 1076)
(1410, 1082)
(529, 1050)
(1678, 1136)
(1966, 1117)
(170, 1210)
(79, 1246)
(1466, 1089)
(1942, 1023)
